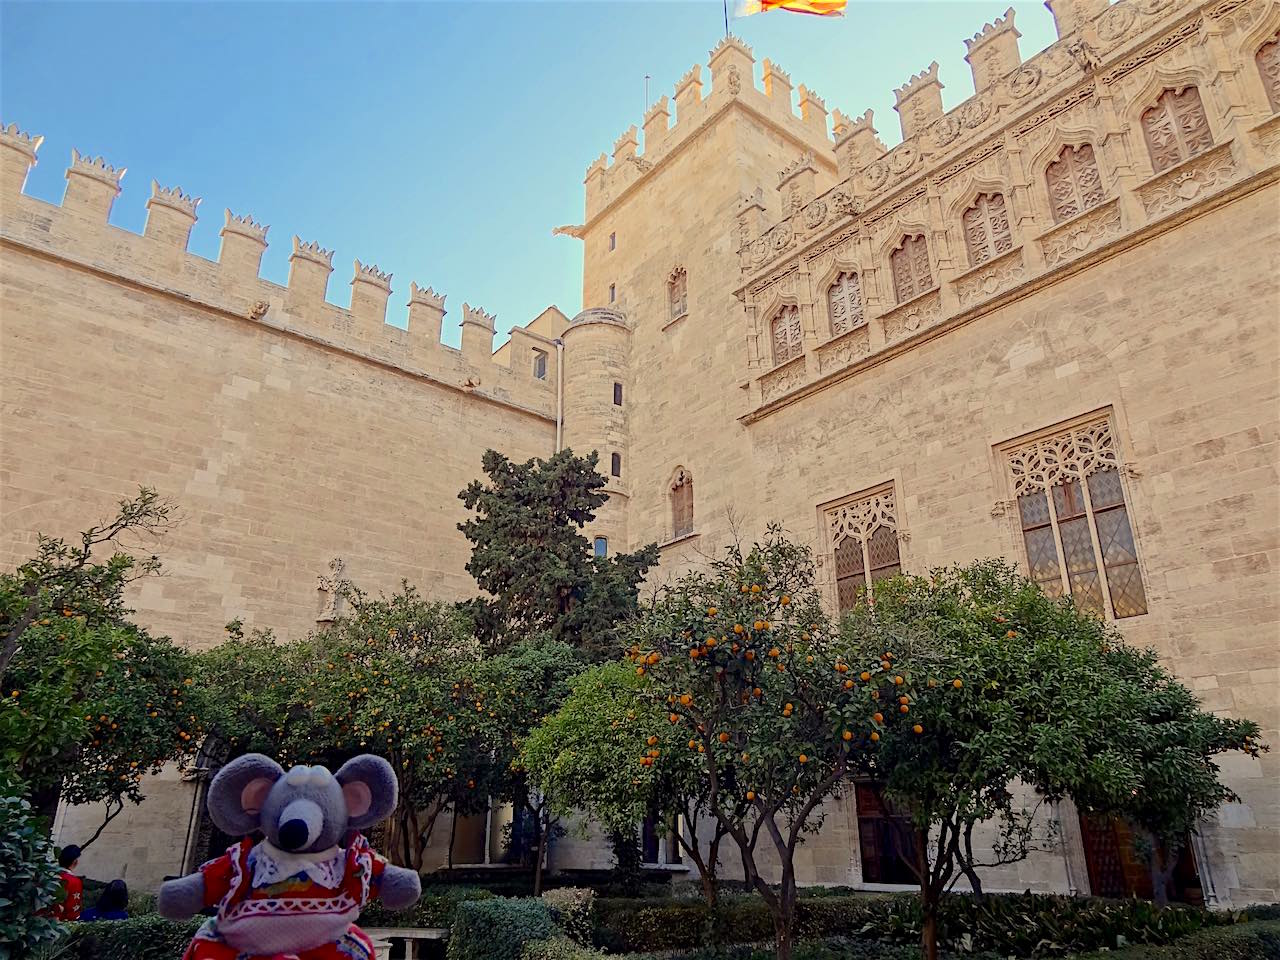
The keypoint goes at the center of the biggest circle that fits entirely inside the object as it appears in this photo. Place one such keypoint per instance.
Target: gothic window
(844, 304)
(617, 394)
(910, 263)
(677, 294)
(1268, 60)
(615, 464)
(540, 364)
(986, 229)
(788, 341)
(600, 546)
(864, 533)
(1074, 184)
(1075, 522)
(1176, 128)
(681, 503)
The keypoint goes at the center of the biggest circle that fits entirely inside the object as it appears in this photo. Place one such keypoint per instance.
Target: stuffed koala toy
(297, 892)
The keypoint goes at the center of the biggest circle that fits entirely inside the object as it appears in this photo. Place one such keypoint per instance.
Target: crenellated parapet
(731, 64)
(231, 290)
(1049, 163)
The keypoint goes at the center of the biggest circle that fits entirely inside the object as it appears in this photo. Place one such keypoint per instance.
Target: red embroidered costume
(277, 906)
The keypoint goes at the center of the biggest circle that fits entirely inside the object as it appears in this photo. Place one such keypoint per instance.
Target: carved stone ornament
(1083, 233)
(333, 585)
(1072, 455)
(1116, 22)
(862, 518)
(1024, 81)
(1185, 183)
(735, 81)
(1152, 7)
(259, 310)
(904, 158)
(845, 349)
(876, 175)
(782, 380)
(1084, 56)
(998, 275)
(975, 112)
(945, 130)
(782, 234)
(814, 214)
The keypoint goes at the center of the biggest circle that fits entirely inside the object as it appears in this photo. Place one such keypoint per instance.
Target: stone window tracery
(678, 293)
(986, 229)
(844, 303)
(788, 339)
(1074, 183)
(1075, 521)
(910, 265)
(1268, 60)
(864, 535)
(1176, 128)
(681, 503)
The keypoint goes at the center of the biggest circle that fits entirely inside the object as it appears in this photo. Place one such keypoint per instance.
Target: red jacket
(69, 908)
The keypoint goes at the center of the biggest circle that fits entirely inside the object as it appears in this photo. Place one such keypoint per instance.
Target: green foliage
(90, 703)
(559, 947)
(1025, 925)
(435, 908)
(1257, 940)
(497, 929)
(529, 555)
(832, 948)
(573, 910)
(149, 937)
(29, 880)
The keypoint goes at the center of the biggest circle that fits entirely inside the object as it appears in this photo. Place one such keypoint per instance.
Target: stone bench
(383, 936)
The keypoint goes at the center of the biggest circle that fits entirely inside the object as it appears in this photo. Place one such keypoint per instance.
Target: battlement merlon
(777, 86)
(798, 182)
(370, 291)
(732, 65)
(244, 240)
(993, 52)
(478, 328)
(688, 92)
(426, 311)
(17, 156)
(170, 215)
(919, 101)
(624, 148)
(657, 123)
(309, 269)
(1070, 15)
(857, 143)
(92, 186)
(813, 110)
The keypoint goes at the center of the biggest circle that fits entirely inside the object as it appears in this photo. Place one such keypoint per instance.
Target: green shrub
(141, 902)
(29, 879)
(1254, 940)
(573, 910)
(149, 937)
(559, 948)
(435, 908)
(833, 948)
(497, 929)
(1023, 925)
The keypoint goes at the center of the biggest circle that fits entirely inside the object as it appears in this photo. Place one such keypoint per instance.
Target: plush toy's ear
(238, 791)
(370, 788)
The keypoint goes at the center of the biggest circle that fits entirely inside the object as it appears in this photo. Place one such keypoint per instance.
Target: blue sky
(441, 141)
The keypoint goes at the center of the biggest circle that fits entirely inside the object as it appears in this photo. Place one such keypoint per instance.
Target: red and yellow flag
(818, 8)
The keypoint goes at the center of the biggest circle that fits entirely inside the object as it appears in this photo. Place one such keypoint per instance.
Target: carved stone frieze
(843, 350)
(1267, 136)
(917, 314)
(975, 112)
(1024, 82)
(766, 284)
(968, 160)
(1151, 51)
(814, 214)
(1092, 228)
(782, 380)
(944, 130)
(876, 175)
(1117, 21)
(1189, 180)
(989, 279)
(903, 157)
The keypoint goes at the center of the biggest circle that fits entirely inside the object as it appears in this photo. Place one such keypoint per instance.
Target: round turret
(597, 347)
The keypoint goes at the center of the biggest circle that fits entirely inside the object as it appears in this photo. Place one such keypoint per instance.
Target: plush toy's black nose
(293, 834)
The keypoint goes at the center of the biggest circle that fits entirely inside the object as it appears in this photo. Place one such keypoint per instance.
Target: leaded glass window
(1075, 522)
(1074, 183)
(910, 264)
(986, 229)
(844, 304)
(1176, 128)
(788, 340)
(678, 294)
(681, 503)
(864, 533)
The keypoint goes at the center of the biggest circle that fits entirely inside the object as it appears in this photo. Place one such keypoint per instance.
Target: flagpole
(726, 18)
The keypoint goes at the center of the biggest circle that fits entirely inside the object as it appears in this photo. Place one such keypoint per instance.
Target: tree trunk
(1163, 861)
(928, 899)
(784, 918)
(537, 866)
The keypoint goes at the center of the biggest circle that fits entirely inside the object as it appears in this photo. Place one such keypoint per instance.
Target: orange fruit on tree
(803, 758)
(904, 699)
(724, 738)
(751, 795)
(784, 599)
(738, 628)
(848, 684)
(865, 675)
(846, 736)
(957, 683)
(756, 588)
(874, 736)
(685, 699)
(711, 611)
(904, 709)
(899, 681)
(878, 717)
(917, 729)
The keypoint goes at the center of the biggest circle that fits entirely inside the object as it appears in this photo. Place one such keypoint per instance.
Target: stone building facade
(1045, 326)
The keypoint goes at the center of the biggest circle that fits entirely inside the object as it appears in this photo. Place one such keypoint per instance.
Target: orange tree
(778, 714)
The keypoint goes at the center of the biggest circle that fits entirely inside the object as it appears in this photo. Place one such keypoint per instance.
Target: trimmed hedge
(435, 908)
(834, 948)
(149, 937)
(1023, 925)
(497, 929)
(1253, 940)
(573, 912)
(559, 948)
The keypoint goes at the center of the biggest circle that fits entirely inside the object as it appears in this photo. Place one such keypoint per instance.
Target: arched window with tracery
(864, 534)
(986, 229)
(677, 293)
(1176, 128)
(681, 503)
(844, 303)
(1074, 183)
(910, 264)
(1268, 60)
(788, 340)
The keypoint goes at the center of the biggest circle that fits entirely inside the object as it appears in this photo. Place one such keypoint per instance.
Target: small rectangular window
(601, 547)
(612, 292)
(615, 464)
(617, 394)
(613, 241)
(540, 364)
